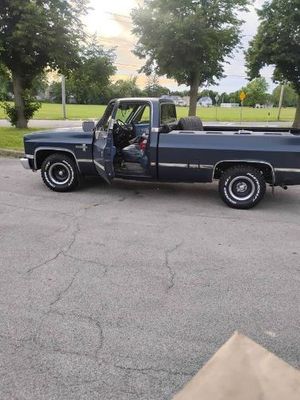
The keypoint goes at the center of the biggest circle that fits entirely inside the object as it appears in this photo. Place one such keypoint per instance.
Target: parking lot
(123, 292)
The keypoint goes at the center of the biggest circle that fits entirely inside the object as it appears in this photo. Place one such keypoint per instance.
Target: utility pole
(63, 96)
(280, 101)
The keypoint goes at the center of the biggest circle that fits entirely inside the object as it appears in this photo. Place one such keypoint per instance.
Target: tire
(59, 173)
(242, 187)
(190, 124)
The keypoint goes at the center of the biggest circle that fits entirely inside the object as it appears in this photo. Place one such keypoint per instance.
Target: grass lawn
(78, 111)
(12, 138)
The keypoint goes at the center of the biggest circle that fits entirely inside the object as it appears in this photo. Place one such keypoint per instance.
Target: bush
(30, 107)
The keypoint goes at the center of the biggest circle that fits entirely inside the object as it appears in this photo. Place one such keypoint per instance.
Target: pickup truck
(142, 139)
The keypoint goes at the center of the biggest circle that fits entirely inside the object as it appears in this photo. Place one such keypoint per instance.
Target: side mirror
(88, 126)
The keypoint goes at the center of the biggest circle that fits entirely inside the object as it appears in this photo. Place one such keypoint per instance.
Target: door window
(167, 114)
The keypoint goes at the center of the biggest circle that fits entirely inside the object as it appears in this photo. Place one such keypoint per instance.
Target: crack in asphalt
(66, 248)
(171, 272)
(62, 251)
(86, 318)
(61, 294)
(96, 263)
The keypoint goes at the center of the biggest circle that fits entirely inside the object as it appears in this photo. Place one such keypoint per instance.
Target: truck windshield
(125, 112)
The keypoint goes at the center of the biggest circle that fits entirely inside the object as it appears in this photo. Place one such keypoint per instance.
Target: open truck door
(103, 147)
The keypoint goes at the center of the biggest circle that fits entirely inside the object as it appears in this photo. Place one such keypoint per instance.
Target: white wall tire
(242, 187)
(59, 173)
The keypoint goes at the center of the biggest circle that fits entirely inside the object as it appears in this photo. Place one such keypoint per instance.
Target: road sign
(242, 95)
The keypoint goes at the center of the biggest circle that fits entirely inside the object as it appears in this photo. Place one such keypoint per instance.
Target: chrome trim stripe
(173, 165)
(99, 165)
(30, 156)
(296, 170)
(206, 166)
(187, 165)
(85, 160)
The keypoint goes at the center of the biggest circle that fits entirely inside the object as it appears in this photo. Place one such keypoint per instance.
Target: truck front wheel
(242, 187)
(59, 173)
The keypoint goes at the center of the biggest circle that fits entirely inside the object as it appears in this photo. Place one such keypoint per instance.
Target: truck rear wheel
(242, 187)
(59, 173)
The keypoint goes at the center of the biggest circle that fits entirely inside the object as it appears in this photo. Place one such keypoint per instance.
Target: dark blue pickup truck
(141, 139)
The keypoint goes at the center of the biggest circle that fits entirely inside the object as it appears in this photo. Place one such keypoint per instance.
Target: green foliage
(183, 38)
(153, 88)
(39, 34)
(5, 83)
(256, 92)
(125, 88)
(290, 97)
(30, 107)
(156, 90)
(35, 35)
(88, 82)
(277, 42)
(187, 40)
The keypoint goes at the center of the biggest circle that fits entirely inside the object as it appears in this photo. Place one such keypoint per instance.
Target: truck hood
(57, 134)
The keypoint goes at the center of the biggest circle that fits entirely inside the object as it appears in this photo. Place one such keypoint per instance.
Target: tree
(256, 92)
(289, 99)
(277, 43)
(89, 81)
(128, 88)
(187, 40)
(35, 35)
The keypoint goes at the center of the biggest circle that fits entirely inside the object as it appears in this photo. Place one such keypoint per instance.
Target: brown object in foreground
(243, 370)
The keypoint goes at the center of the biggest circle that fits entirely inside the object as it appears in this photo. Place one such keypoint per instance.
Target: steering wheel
(123, 133)
(123, 125)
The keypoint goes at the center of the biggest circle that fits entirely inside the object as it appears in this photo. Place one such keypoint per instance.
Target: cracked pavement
(124, 292)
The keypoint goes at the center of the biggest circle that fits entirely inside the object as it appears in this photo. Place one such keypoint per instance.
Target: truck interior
(131, 132)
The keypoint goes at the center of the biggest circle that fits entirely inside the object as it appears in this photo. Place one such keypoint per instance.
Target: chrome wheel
(241, 188)
(59, 173)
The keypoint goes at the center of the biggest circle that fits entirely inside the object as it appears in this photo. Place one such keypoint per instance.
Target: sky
(110, 20)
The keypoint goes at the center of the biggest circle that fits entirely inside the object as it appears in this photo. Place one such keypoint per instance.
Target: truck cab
(126, 137)
(135, 140)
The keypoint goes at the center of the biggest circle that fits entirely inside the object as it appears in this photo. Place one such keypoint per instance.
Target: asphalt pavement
(123, 292)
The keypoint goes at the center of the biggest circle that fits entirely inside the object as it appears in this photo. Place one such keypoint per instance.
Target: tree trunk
(194, 97)
(19, 102)
(296, 123)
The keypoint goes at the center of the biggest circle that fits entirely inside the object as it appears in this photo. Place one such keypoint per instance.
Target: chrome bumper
(25, 163)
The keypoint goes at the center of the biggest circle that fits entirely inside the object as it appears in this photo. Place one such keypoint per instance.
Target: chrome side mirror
(88, 126)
